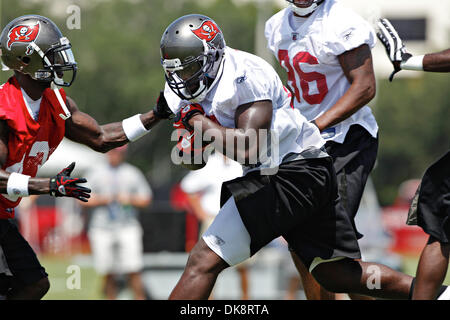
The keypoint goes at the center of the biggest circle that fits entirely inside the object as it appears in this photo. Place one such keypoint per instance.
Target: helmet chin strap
(304, 11)
(66, 115)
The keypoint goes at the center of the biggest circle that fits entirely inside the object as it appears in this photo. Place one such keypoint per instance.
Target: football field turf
(63, 287)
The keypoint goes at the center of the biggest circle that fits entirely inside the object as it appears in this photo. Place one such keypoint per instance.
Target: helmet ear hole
(25, 60)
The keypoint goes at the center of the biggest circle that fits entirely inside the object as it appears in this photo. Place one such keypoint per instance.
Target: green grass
(57, 269)
(410, 267)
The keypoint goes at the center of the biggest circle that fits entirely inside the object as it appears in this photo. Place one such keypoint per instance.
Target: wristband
(413, 63)
(17, 185)
(134, 128)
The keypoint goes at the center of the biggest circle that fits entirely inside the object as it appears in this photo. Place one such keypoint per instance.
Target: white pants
(227, 235)
(230, 240)
(117, 251)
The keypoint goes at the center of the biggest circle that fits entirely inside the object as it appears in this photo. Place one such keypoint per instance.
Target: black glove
(393, 44)
(162, 109)
(63, 185)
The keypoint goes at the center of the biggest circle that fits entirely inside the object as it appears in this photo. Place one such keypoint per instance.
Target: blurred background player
(431, 207)
(35, 115)
(325, 49)
(203, 188)
(119, 190)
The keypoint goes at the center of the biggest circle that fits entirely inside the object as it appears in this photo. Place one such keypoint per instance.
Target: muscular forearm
(357, 96)
(140, 201)
(238, 144)
(84, 129)
(35, 185)
(194, 201)
(114, 135)
(437, 62)
(358, 69)
(97, 200)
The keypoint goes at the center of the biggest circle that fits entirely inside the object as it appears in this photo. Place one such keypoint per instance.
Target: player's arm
(401, 59)
(17, 184)
(358, 68)
(250, 118)
(97, 200)
(437, 62)
(136, 200)
(194, 200)
(82, 128)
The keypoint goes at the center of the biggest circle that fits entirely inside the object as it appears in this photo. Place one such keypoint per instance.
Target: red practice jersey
(30, 142)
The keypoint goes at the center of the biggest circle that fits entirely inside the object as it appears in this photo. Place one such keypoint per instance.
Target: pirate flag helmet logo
(22, 33)
(207, 31)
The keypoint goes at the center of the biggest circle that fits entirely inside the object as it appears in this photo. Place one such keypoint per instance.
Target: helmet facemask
(192, 79)
(306, 10)
(59, 64)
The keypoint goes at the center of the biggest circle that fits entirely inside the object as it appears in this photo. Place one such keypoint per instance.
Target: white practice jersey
(308, 49)
(247, 78)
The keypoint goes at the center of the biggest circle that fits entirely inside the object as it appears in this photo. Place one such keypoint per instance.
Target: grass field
(58, 267)
(90, 282)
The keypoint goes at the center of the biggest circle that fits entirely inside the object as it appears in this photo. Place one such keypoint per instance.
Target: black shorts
(353, 161)
(298, 203)
(5, 284)
(432, 212)
(21, 259)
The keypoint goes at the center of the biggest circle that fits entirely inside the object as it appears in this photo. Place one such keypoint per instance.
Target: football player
(431, 206)
(35, 114)
(325, 49)
(290, 193)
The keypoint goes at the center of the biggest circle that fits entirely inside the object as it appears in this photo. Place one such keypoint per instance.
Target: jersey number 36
(305, 77)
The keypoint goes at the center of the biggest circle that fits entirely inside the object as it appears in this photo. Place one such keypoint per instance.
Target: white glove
(393, 44)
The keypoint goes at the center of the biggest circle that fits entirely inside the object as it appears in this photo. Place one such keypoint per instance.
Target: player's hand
(124, 199)
(63, 185)
(191, 150)
(162, 109)
(393, 44)
(183, 116)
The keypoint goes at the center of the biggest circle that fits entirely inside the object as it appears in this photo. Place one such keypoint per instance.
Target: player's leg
(30, 281)
(328, 246)
(225, 243)
(432, 269)
(353, 161)
(329, 249)
(431, 211)
(242, 269)
(200, 274)
(109, 286)
(313, 290)
(130, 257)
(363, 278)
(101, 241)
(137, 285)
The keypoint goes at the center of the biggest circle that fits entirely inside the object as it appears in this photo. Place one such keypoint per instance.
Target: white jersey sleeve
(259, 81)
(346, 31)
